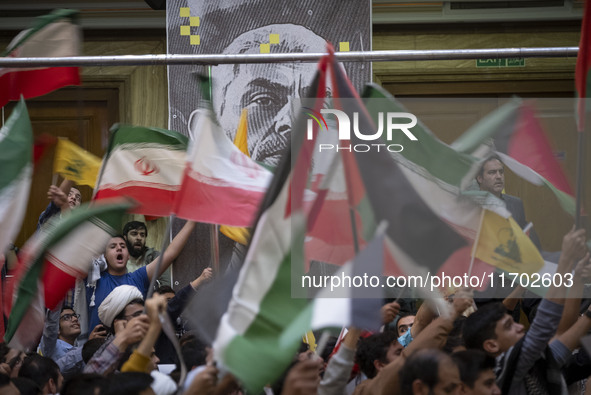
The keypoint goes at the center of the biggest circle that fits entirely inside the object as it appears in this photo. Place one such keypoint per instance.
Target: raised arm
(174, 249)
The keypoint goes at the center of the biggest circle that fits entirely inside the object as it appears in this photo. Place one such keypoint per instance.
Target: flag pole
(214, 247)
(476, 239)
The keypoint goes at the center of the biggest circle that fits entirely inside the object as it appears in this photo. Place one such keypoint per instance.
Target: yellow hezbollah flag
(75, 163)
(240, 235)
(503, 244)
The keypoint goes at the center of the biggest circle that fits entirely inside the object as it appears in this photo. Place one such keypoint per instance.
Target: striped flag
(75, 163)
(522, 144)
(54, 35)
(221, 185)
(145, 164)
(16, 162)
(248, 338)
(53, 259)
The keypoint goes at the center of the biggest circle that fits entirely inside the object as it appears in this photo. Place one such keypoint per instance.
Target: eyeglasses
(136, 314)
(68, 317)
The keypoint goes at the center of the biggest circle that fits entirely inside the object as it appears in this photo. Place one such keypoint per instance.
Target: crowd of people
(108, 338)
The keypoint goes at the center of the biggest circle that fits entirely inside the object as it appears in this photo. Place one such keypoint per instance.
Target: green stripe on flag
(57, 229)
(127, 134)
(428, 152)
(16, 144)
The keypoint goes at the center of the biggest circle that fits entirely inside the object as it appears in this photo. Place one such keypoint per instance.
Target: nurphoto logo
(395, 122)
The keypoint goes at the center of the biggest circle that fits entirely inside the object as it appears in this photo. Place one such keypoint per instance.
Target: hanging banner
(268, 92)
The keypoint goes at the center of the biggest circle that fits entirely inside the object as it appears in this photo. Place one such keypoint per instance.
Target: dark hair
(85, 384)
(164, 289)
(39, 369)
(194, 350)
(372, 348)
(128, 383)
(90, 347)
(422, 365)
(4, 349)
(481, 170)
(481, 324)
(67, 308)
(132, 225)
(471, 363)
(455, 338)
(26, 386)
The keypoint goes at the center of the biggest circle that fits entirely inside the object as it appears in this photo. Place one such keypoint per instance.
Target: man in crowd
(526, 363)
(116, 256)
(376, 351)
(62, 198)
(430, 371)
(476, 373)
(135, 234)
(59, 340)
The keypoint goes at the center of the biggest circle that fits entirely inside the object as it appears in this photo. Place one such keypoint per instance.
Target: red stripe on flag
(151, 200)
(38, 82)
(226, 205)
(57, 283)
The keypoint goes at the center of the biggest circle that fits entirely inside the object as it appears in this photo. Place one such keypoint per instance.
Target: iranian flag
(54, 35)
(145, 164)
(16, 162)
(221, 184)
(53, 259)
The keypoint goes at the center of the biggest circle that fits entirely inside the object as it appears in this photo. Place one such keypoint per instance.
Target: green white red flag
(221, 184)
(16, 162)
(145, 164)
(52, 260)
(53, 35)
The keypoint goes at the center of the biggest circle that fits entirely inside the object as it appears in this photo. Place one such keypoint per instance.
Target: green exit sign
(511, 62)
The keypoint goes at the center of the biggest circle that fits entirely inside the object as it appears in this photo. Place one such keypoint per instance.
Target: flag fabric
(16, 162)
(582, 69)
(53, 259)
(248, 338)
(239, 234)
(339, 304)
(53, 35)
(145, 164)
(41, 146)
(75, 163)
(518, 134)
(503, 242)
(220, 185)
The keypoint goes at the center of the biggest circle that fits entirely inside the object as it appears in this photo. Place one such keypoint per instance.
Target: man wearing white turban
(117, 302)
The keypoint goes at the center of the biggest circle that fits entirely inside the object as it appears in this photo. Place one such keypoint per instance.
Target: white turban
(116, 301)
(162, 384)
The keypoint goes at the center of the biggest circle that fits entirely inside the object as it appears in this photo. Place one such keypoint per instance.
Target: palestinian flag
(16, 162)
(221, 184)
(54, 35)
(340, 304)
(145, 164)
(582, 69)
(518, 134)
(53, 259)
(248, 339)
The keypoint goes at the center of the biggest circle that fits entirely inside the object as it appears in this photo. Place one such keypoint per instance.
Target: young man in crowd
(476, 373)
(117, 255)
(526, 363)
(430, 372)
